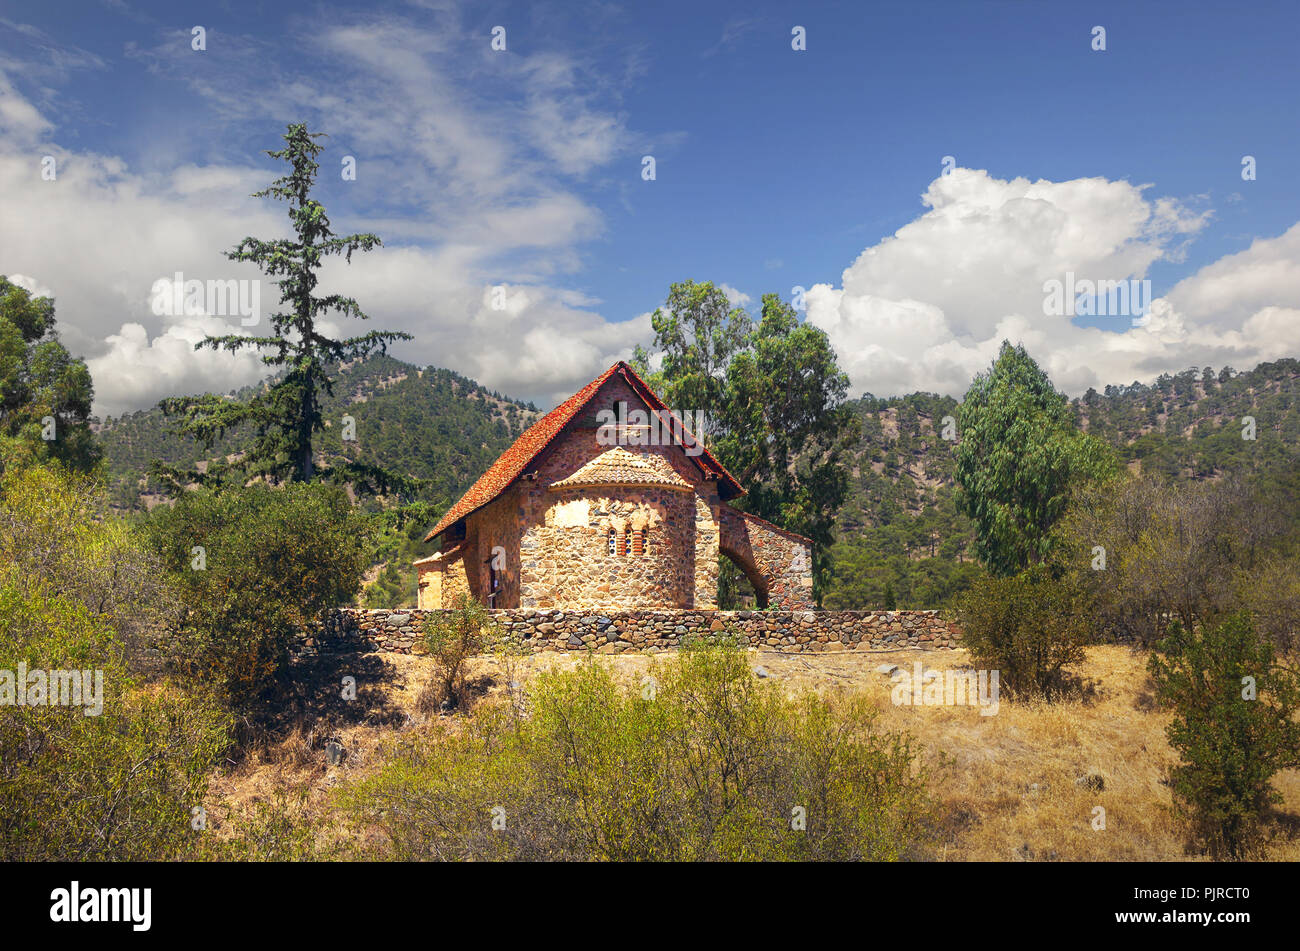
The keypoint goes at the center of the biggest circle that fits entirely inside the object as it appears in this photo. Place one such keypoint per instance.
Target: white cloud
(167, 363)
(468, 189)
(30, 285)
(927, 308)
(22, 122)
(735, 297)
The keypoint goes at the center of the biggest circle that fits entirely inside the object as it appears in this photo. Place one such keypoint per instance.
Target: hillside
(429, 423)
(902, 541)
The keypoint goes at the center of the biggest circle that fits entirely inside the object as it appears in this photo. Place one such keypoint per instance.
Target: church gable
(521, 457)
(622, 437)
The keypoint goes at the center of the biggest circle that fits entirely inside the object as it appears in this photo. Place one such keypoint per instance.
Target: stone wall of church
(778, 560)
(705, 533)
(567, 561)
(493, 536)
(438, 585)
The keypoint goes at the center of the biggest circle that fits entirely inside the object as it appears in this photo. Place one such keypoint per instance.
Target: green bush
(452, 637)
(699, 761)
(1027, 626)
(55, 530)
(76, 590)
(119, 785)
(270, 561)
(1231, 739)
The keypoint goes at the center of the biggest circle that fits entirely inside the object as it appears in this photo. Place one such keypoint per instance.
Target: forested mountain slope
(902, 541)
(431, 424)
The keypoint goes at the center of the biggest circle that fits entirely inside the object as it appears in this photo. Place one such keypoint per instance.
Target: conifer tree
(286, 416)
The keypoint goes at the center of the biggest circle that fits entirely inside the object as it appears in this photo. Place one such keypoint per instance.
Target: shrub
(1231, 739)
(1273, 592)
(270, 561)
(55, 530)
(1185, 552)
(117, 786)
(76, 589)
(452, 637)
(699, 761)
(1027, 626)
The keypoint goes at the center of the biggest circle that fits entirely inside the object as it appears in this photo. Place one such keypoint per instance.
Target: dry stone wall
(614, 632)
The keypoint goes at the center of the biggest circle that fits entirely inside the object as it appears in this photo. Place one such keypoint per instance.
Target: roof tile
(617, 466)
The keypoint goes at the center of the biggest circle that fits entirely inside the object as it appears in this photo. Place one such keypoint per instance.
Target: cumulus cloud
(736, 297)
(928, 307)
(469, 188)
(166, 363)
(98, 238)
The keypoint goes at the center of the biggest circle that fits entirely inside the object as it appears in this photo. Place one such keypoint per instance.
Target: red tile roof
(750, 516)
(617, 466)
(502, 473)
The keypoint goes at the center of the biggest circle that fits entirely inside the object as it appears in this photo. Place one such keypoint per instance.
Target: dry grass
(1007, 790)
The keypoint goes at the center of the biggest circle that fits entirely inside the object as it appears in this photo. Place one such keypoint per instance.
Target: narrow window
(613, 544)
(645, 541)
(625, 542)
(494, 584)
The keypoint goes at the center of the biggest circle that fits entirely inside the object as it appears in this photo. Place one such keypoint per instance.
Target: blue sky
(774, 168)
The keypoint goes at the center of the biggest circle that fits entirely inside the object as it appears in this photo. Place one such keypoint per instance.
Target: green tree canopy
(785, 430)
(253, 568)
(697, 330)
(45, 394)
(774, 397)
(1018, 459)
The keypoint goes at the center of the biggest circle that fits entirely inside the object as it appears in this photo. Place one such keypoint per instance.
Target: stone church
(608, 503)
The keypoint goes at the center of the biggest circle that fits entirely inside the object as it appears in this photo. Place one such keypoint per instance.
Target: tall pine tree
(286, 416)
